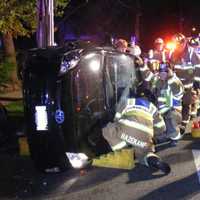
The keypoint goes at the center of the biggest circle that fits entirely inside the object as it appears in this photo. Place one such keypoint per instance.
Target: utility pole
(137, 20)
(181, 18)
(45, 26)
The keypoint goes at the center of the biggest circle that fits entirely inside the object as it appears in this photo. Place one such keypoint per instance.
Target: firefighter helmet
(121, 43)
(159, 41)
(136, 51)
(179, 38)
(194, 41)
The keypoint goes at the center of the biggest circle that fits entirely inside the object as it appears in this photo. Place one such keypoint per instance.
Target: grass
(15, 107)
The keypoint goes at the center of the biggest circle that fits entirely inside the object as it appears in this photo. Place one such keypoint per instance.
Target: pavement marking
(196, 155)
(70, 182)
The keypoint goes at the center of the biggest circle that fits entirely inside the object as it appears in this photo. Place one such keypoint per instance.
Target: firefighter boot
(173, 143)
(155, 162)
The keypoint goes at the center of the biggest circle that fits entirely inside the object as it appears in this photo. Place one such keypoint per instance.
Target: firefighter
(159, 53)
(186, 65)
(134, 49)
(168, 91)
(121, 45)
(136, 124)
(195, 43)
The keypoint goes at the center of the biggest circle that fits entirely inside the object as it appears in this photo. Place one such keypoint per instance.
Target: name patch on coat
(132, 140)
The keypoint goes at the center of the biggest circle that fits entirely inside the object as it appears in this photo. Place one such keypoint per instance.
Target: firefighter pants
(186, 106)
(195, 102)
(119, 138)
(197, 97)
(190, 105)
(173, 121)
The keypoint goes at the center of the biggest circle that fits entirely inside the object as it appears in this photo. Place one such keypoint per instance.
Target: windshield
(88, 83)
(122, 73)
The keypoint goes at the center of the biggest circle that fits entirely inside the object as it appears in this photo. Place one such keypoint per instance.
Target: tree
(18, 18)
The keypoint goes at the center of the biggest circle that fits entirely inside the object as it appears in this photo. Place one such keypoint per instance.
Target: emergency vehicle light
(171, 46)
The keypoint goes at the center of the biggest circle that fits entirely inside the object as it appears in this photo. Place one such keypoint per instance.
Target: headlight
(94, 65)
(90, 55)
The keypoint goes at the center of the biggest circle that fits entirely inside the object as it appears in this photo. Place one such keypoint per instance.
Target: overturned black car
(69, 92)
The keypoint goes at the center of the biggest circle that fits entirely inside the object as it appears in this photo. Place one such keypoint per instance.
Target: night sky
(159, 18)
(117, 17)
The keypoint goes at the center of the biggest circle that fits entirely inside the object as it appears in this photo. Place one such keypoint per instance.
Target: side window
(88, 84)
(122, 73)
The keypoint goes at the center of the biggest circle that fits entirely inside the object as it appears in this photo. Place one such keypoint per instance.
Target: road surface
(19, 179)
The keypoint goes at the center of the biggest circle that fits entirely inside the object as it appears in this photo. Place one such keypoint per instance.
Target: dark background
(117, 17)
(92, 19)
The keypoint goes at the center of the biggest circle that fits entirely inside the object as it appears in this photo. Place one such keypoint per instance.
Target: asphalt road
(19, 179)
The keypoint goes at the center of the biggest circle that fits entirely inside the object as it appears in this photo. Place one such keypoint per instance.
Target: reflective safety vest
(142, 117)
(169, 95)
(187, 68)
(160, 56)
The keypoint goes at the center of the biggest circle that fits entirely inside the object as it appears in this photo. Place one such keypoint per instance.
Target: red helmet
(179, 38)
